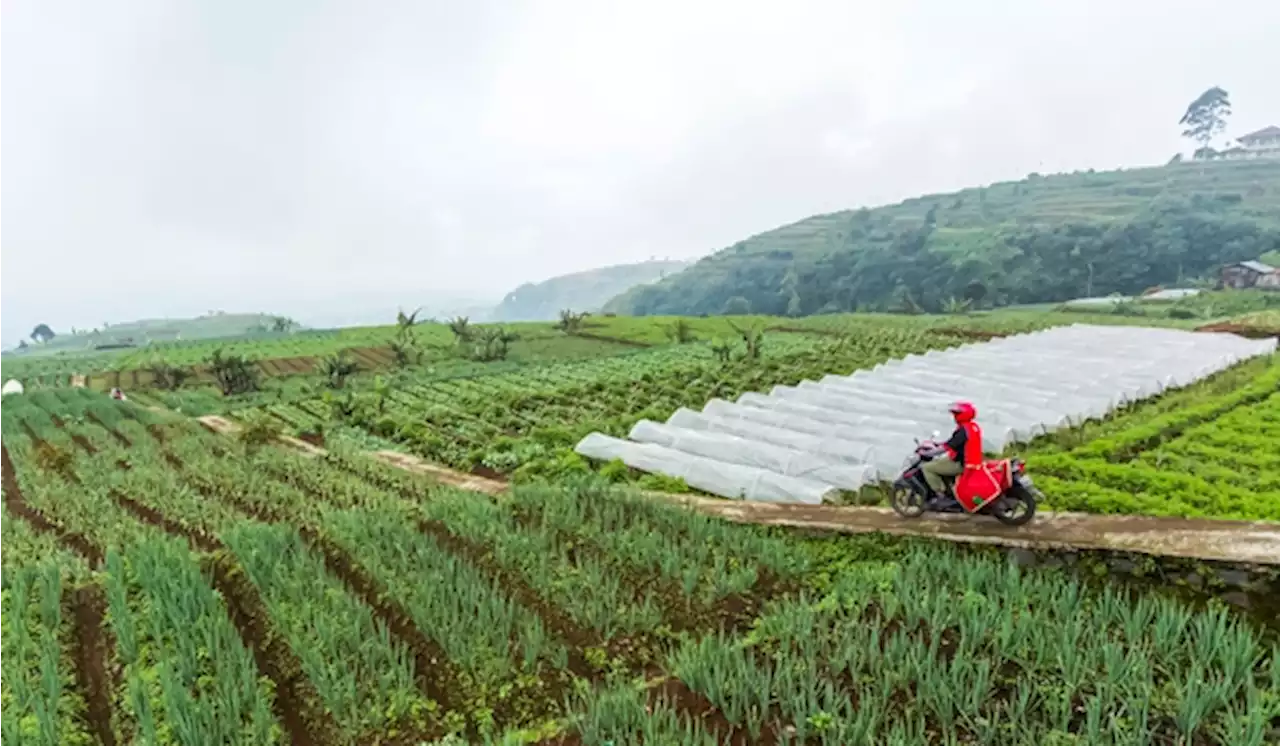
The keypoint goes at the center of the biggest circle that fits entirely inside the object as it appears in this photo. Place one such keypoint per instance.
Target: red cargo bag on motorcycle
(981, 481)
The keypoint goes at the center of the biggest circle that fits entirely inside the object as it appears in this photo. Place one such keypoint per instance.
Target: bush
(257, 432)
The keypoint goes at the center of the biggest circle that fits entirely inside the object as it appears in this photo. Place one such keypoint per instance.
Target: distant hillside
(580, 291)
(139, 333)
(1042, 239)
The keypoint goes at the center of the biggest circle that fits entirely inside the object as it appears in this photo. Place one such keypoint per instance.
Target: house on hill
(1243, 275)
(1265, 143)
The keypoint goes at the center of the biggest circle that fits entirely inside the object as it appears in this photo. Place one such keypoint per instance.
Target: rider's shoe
(946, 504)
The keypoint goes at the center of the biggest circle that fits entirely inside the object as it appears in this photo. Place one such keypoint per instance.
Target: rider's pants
(935, 470)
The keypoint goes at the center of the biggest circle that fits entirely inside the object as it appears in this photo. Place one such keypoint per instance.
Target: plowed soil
(296, 703)
(577, 639)
(16, 504)
(436, 674)
(91, 649)
(1243, 330)
(198, 539)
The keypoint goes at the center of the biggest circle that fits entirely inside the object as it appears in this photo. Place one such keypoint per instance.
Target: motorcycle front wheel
(906, 501)
(1016, 507)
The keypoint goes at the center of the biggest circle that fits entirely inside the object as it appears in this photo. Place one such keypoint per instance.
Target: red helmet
(963, 411)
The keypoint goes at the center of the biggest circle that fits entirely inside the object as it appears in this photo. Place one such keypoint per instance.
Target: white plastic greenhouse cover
(802, 443)
(707, 474)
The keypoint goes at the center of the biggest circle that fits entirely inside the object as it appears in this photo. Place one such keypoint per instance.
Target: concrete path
(1231, 541)
(1256, 542)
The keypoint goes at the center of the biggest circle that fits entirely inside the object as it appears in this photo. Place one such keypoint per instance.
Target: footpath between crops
(1255, 542)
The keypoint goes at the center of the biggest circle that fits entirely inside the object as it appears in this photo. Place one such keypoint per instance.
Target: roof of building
(1264, 133)
(1259, 267)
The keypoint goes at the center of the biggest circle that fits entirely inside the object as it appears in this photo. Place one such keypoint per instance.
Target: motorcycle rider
(961, 455)
(960, 450)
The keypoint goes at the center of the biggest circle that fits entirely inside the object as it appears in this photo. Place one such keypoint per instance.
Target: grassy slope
(580, 291)
(967, 220)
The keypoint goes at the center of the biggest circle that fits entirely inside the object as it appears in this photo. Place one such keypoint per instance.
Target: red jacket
(965, 444)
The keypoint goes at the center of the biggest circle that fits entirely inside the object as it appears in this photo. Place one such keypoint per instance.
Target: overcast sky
(163, 157)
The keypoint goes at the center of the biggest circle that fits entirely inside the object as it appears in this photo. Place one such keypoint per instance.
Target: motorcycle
(1014, 506)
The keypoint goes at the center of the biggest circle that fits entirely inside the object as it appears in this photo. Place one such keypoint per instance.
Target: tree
(790, 293)
(571, 322)
(680, 332)
(235, 375)
(282, 324)
(42, 333)
(722, 349)
(462, 329)
(493, 344)
(752, 337)
(736, 306)
(405, 346)
(974, 292)
(381, 393)
(1206, 118)
(406, 321)
(168, 377)
(337, 368)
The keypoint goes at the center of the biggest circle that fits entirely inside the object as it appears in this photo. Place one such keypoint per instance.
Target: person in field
(117, 394)
(962, 457)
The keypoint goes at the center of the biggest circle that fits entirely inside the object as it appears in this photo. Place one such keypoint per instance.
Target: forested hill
(1042, 239)
(580, 291)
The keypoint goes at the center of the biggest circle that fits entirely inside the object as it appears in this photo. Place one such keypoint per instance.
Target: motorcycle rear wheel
(906, 501)
(1016, 507)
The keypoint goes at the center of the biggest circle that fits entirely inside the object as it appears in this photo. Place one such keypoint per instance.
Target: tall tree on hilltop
(1206, 118)
(42, 333)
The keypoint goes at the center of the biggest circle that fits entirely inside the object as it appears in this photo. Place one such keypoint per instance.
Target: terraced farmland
(299, 354)
(526, 422)
(523, 424)
(163, 584)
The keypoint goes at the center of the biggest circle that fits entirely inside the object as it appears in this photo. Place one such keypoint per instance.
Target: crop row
(1207, 451)
(510, 634)
(41, 704)
(361, 571)
(1126, 436)
(940, 649)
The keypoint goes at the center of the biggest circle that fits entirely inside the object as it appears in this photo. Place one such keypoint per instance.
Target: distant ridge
(580, 291)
